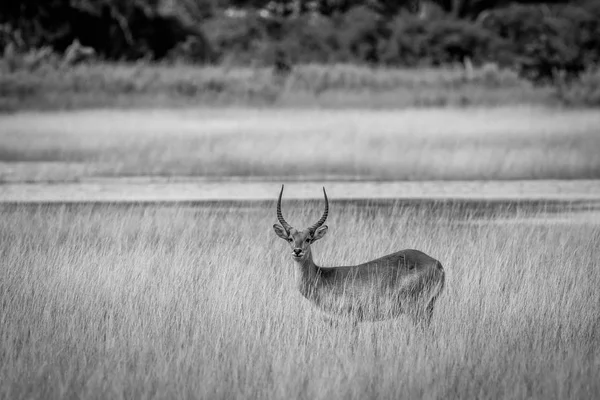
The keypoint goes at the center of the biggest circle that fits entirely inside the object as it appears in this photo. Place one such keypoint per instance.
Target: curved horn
(285, 225)
(324, 217)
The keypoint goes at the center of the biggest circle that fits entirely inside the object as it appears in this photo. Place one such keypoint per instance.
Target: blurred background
(324, 90)
(73, 53)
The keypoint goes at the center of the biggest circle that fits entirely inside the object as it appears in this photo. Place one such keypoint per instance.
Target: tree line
(541, 39)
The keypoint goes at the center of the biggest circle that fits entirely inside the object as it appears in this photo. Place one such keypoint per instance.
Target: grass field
(108, 301)
(413, 144)
(133, 85)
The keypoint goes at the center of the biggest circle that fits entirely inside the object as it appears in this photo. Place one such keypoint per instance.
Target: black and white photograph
(300, 199)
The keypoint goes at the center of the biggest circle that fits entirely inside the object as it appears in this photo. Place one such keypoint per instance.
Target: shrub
(584, 91)
(453, 40)
(237, 39)
(544, 42)
(44, 58)
(114, 29)
(361, 34)
(311, 39)
(407, 42)
(443, 40)
(195, 50)
(586, 19)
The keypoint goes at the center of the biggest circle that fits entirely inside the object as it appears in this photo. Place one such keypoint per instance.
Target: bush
(452, 41)
(584, 91)
(114, 29)
(445, 40)
(44, 58)
(311, 39)
(237, 39)
(407, 42)
(587, 35)
(545, 42)
(194, 50)
(361, 34)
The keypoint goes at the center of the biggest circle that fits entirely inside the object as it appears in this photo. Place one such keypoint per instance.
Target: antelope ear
(279, 231)
(320, 232)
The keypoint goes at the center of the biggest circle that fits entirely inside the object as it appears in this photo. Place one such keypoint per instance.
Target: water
(472, 202)
(197, 190)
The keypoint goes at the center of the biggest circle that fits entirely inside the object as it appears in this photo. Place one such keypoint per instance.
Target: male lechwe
(405, 282)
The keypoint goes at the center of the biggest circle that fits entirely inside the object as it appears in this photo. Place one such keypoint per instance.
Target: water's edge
(190, 190)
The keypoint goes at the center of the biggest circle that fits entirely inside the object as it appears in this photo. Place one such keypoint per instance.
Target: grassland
(108, 301)
(38, 85)
(411, 144)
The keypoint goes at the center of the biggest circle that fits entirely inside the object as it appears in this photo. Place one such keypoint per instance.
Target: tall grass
(110, 85)
(103, 301)
(480, 143)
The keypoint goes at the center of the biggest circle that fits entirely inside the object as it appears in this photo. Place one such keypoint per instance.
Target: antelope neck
(307, 276)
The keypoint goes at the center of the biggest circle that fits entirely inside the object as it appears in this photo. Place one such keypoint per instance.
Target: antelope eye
(307, 240)
(290, 240)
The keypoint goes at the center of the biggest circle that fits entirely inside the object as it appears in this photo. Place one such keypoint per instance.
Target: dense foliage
(542, 40)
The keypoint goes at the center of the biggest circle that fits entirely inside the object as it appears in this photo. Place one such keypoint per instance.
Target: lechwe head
(405, 282)
(300, 240)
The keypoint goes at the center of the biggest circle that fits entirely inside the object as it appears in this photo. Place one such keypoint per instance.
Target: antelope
(407, 282)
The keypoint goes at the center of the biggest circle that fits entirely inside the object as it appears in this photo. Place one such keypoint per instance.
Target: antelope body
(406, 282)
